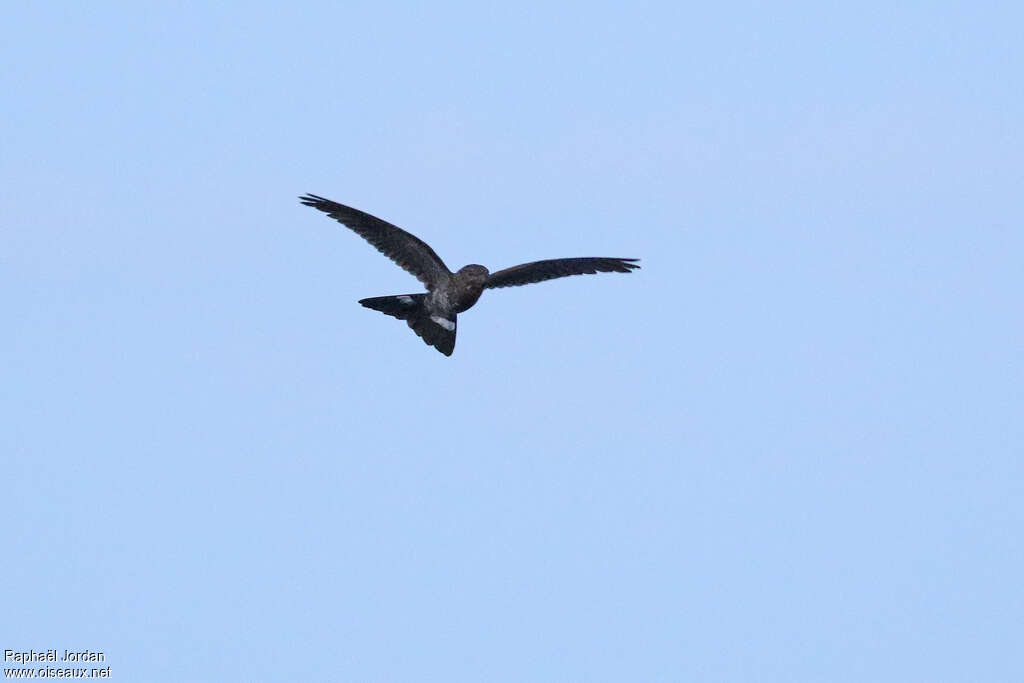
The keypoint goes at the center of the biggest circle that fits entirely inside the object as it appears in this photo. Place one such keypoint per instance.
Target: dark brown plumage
(405, 249)
(432, 316)
(538, 271)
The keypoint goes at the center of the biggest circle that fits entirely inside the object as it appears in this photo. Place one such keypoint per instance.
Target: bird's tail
(436, 330)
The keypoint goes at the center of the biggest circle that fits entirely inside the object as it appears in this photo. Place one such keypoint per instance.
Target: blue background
(787, 449)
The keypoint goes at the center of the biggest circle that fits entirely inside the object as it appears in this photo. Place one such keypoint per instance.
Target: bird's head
(474, 271)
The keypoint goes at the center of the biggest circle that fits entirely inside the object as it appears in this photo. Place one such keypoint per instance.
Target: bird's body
(432, 315)
(460, 291)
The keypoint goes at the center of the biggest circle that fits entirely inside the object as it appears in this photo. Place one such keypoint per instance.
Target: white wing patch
(443, 322)
(405, 300)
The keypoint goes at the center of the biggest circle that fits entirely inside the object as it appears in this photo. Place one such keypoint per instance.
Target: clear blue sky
(787, 449)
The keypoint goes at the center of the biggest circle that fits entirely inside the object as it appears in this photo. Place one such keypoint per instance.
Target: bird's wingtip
(310, 199)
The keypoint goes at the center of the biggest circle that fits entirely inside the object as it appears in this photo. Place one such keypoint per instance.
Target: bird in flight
(432, 314)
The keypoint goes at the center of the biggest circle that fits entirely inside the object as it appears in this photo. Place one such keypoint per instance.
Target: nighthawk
(432, 315)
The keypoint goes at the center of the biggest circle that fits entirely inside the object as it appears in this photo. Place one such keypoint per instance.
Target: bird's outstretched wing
(538, 271)
(405, 249)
